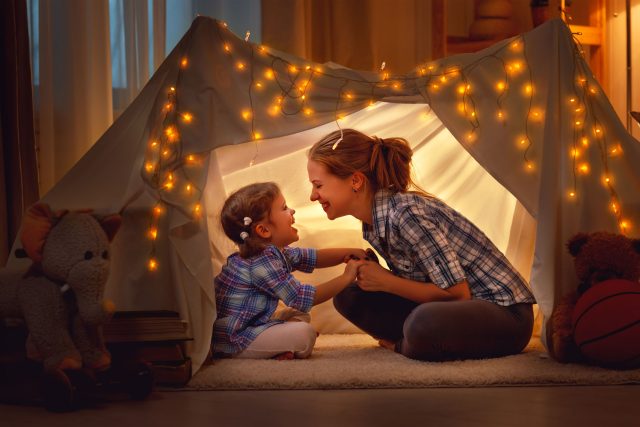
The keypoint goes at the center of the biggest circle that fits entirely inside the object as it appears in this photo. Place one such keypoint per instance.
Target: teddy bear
(598, 257)
(60, 296)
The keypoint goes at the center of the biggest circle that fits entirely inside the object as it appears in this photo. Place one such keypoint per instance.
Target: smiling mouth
(325, 206)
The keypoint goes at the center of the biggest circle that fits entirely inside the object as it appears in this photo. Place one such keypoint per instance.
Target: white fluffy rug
(356, 361)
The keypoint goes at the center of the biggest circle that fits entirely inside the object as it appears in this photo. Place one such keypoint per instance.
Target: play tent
(519, 137)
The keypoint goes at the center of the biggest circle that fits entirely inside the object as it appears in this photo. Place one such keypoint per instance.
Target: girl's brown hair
(252, 201)
(386, 162)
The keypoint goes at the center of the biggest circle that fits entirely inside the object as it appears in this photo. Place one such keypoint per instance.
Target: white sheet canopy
(519, 137)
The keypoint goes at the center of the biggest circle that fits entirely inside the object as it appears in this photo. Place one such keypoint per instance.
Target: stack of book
(157, 337)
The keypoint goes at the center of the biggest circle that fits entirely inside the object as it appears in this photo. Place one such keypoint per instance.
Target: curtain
(359, 34)
(75, 83)
(18, 170)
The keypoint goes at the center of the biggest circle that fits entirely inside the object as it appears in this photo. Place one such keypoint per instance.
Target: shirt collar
(379, 213)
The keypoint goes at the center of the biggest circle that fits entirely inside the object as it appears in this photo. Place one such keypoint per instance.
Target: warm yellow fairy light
(443, 78)
(614, 207)
(606, 179)
(172, 89)
(584, 168)
(461, 107)
(227, 48)
(462, 89)
(169, 185)
(396, 86)
(240, 65)
(263, 49)
(246, 114)
(572, 194)
(575, 153)
(625, 225)
(166, 153)
(188, 188)
(579, 109)
(529, 166)
(269, 74)
(197, 209)
(585, 141)
(293, 69)
(434, 86)
(598, 131)
(257, 135)
(168, 106)
(149, 167)
(187, 117)
(572, 100)
(303, 97)
(154, 145)
(592, 90)
(157, 210)
(184, 62)
(615, 151)
(500, 114)
(153, 233)
(152, 265)
(385, 76)
(528, 89)
(259, 85)
(578, 122)
(308, 111)
(274, 110)
(348, 95)
(501, 86)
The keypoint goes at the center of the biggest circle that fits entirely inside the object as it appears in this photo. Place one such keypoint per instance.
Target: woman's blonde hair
(254, 202)
(385, 162)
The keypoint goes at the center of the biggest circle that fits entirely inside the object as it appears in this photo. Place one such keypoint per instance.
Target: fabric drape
(75, 83)
(359, 34)
(18, 165)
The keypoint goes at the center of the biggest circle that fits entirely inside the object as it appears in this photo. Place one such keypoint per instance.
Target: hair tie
(244, 235)
(247, 221)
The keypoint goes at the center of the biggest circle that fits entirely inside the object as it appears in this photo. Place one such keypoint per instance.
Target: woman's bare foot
(389, 345)
(287, 355)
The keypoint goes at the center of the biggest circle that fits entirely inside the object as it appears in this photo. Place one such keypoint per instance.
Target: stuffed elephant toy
(60, 296)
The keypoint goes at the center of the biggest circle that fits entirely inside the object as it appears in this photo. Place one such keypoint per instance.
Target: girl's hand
(373, 278)
(351, 270)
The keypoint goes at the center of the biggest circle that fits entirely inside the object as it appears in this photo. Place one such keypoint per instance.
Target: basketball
(606, 324)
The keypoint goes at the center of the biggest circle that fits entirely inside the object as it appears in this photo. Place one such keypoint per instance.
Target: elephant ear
(110, 224)
(36, 225)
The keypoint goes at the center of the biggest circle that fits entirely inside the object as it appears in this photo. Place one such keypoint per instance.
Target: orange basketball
(606, 323)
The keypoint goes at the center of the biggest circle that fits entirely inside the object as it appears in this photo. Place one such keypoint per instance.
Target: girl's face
(335, 194)
(281, 223)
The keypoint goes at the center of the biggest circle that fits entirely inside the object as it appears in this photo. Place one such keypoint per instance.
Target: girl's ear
(263, 231)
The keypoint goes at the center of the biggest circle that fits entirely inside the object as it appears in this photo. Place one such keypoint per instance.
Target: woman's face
(333, 193)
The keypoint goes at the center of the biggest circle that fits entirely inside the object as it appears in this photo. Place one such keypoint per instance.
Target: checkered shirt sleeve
(273, 277)
(430, 247)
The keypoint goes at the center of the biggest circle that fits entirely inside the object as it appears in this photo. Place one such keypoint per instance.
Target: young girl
(248, 289)
(450, 294)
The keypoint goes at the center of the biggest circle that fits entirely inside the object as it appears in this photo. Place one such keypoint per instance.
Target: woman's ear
(358, 181)
(263, 231)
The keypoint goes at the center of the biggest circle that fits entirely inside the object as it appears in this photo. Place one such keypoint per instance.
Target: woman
(450, 293)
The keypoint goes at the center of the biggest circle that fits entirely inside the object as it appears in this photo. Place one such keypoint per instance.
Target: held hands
(351, 270)
(373, 277)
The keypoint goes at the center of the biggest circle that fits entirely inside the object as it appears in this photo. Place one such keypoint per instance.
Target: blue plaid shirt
(248, 290)
(423, 239)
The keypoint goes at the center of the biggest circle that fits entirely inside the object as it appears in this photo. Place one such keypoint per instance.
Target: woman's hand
(373, 277)
(354, 253)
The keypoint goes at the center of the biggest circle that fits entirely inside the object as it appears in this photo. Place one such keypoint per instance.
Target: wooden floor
(605, 406)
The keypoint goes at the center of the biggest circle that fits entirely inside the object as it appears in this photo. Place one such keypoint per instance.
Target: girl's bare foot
(287, 355)
(389, 345)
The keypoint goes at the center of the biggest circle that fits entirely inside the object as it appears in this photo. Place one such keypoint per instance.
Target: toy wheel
(139, 381)
(58, 393)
